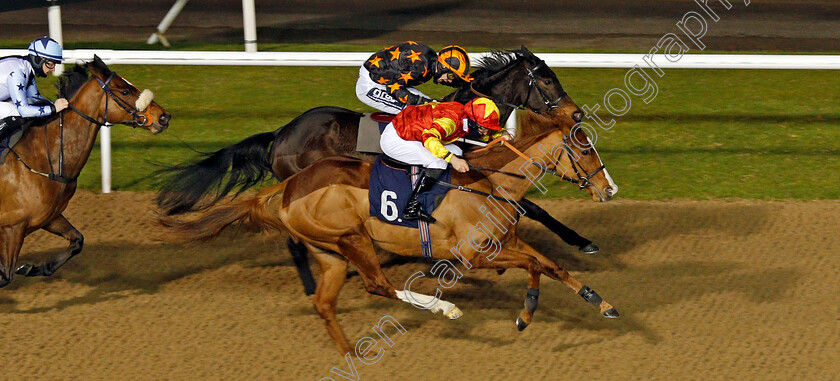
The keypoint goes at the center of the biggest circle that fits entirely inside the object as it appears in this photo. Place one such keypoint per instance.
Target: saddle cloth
(7, 144)
(370, 129)
(390, 188)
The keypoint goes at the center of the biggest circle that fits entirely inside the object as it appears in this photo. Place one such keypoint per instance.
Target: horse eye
(125, 92)
(585, 152)
(547, 81)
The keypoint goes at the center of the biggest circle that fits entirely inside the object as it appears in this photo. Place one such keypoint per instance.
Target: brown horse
(326, 207)
(38, 178)
(516, 77)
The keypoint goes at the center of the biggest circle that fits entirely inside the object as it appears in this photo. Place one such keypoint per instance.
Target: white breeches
(376, 94)
(412, 151)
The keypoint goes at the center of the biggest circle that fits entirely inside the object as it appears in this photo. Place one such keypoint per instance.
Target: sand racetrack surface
(707, 290)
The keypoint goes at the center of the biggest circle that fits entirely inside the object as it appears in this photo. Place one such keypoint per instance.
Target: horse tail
(239, 166)
(253, 213)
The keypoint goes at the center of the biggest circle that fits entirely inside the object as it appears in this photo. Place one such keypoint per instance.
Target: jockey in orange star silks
(387, 79)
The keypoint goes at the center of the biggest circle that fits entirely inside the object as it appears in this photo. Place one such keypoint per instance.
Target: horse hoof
(25, 269)
(500, 272)
(521, 324)
(454, 313)
(591, 248)
(611, 313)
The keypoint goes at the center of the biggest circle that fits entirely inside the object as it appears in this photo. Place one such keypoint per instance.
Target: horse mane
(71, 81)
(495, 62)
(499, 60)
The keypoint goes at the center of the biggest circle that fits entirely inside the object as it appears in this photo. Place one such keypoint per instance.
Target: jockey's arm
(34, 96)
(402, 95)
(441, 127)
(20, 94)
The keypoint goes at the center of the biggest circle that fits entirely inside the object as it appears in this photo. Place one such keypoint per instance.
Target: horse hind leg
(360, 252)
(333, 275)
(60, 227)
(11, 240)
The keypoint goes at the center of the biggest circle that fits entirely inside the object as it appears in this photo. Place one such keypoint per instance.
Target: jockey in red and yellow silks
(423, 135)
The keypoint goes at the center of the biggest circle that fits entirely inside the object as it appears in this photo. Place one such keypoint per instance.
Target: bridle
(59, 177)
(136, 122)
(532, 84)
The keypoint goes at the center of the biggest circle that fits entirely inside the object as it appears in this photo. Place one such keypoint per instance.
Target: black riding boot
(414, 210)
(9, 125)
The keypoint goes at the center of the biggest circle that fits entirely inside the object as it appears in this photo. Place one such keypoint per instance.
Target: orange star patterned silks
(409, 64)
(394, 87)
(395, 54)
(414, 56)
(375, 61)
(406, 77)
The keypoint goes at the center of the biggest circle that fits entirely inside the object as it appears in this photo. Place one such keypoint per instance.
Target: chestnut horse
(326, 207)
(38, 178)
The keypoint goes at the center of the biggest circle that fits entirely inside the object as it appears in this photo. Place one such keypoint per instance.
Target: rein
(581, 181)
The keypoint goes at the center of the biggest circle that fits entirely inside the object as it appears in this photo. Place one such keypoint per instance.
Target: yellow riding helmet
(484, 112)
(455, 59)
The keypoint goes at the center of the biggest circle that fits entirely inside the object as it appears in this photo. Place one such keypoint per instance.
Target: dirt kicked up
(707, 290)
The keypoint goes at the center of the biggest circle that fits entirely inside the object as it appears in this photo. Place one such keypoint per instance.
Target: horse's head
(519, 78)
(125, 104)
(573, 156)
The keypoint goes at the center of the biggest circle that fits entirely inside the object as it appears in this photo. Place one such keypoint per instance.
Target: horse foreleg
(506, 259)
(60, 227)
(534, 212)
(554, 271)
(11, 240)
(333, 274)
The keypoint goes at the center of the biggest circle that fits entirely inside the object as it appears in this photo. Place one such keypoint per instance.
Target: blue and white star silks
(19, 88)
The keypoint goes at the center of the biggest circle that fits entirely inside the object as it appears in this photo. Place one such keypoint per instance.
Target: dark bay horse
(38, 179)
(510, 78)
(325, 206)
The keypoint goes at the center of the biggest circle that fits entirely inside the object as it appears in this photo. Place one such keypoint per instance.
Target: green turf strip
(766, 134)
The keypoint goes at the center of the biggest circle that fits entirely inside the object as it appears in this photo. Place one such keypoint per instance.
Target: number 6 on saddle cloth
(391, 183)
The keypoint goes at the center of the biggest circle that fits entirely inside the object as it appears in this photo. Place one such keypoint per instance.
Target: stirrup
(415, 212)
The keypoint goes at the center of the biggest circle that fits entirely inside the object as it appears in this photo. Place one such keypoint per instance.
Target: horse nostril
(609, 191)
(577, 116)
(164, 119)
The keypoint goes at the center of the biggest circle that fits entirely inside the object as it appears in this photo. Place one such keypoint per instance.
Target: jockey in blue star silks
(387, 79)
(19, 95)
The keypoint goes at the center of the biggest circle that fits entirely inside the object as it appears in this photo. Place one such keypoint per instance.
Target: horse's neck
(76, 134)
(506, 160)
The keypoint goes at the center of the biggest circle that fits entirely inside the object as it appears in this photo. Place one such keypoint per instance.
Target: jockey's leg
(9, 125)
(414, 210)
(376, 94)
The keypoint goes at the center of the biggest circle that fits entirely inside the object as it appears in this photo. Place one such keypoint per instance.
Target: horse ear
(98, 68)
